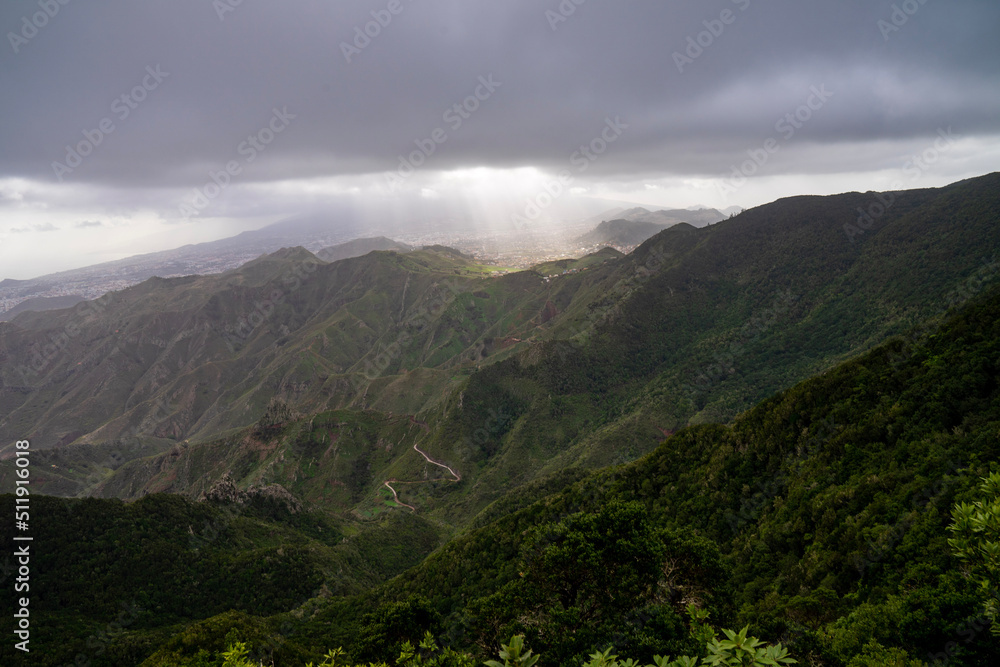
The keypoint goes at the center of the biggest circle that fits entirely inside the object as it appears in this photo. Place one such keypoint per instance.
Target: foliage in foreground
(736, 650)
(976, 542)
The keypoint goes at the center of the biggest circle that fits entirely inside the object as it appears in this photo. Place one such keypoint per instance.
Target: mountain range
(785, 402)
(428, 223)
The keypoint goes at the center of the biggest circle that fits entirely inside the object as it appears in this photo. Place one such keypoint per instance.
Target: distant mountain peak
(359, 247)
(663, 218)
(296, 254)
(638, 210)
(447, 250)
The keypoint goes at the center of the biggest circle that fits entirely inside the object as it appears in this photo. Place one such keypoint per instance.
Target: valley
(722, 379)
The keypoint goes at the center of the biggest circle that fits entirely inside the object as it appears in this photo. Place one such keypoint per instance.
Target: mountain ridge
(619, 374)
(416, 333)
(360, 247)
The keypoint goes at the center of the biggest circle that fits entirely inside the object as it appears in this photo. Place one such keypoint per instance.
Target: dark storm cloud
(219, 82)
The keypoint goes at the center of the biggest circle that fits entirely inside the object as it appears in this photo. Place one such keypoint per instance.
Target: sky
(131, 127)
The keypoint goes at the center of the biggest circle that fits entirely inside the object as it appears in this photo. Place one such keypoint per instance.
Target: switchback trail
(396, 496)
(458, 478)
(388, 483)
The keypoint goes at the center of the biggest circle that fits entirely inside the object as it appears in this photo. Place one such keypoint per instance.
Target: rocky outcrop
(226, 492)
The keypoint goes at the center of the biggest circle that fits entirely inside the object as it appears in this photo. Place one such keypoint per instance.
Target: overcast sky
(116, 112)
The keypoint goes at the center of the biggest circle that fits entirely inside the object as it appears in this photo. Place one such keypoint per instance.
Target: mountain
(630, 227)
(624, 233)
(769, 417)
(696, 217)
(359, 247)
(586, 369)
(812, 514)
(41, 303)
(172, 359)
(818, 517)
(315, 232)
(627, 373)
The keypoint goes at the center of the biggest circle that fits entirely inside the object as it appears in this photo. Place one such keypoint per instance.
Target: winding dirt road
(458, 478)
(395, 496)
(389, 482)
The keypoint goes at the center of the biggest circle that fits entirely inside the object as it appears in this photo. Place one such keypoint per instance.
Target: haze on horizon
(306, 107)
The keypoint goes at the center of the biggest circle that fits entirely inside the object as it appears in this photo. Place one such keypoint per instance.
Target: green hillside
(818, 518)
(623, 232)
(561, 266)
(359, 247)
(190, 358)
(587, 369)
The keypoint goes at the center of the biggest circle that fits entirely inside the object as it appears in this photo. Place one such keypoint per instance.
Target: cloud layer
(169, 97)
